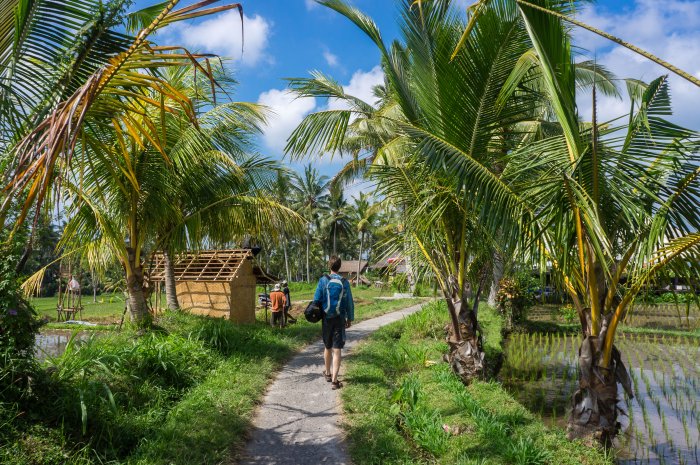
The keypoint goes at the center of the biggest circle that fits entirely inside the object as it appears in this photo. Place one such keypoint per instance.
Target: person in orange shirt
(278, 301)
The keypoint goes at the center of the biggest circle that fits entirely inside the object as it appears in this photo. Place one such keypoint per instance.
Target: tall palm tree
(103, 79)
(311, 199)
(616, 206)
(365, 216)
(338, 217)
(445, 109)
(281, 191)
(223, 195)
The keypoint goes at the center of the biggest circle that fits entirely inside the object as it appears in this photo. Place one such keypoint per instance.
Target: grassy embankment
(183, 394)
(403, 404)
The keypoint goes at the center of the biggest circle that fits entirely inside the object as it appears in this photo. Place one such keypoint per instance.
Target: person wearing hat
(278, 301)
(287, 303)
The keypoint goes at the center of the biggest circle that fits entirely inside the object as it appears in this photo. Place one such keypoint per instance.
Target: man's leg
(336, 363)
(327, 359)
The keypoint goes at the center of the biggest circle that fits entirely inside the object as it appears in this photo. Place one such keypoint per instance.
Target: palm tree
(338, 217)
(223, 195)
(281, 191)
(365, 217)
(104, 79)
(311, 199)
(443, 109)
(616, 204)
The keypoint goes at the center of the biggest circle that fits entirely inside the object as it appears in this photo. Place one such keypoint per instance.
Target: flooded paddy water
(53, 342)
(661, 426)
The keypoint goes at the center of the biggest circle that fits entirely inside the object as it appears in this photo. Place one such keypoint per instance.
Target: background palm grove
(482, 180)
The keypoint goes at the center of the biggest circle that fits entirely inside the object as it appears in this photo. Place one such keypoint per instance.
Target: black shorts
(333, 332)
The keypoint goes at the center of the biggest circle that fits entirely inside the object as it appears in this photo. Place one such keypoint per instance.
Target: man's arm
(318, 295)
(350, 304)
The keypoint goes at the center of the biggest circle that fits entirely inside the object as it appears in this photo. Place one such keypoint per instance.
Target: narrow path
(299, 420)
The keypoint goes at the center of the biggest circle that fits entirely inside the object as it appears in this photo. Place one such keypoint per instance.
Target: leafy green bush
(667, 298)
(566, 314)
(19, 325)
(400, 283)
(515, 296)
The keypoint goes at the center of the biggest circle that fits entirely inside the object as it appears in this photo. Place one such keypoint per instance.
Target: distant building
(390, 266)
(348, 270)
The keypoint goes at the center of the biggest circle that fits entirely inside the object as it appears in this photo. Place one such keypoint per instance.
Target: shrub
(567, 314)
(19, 325)
(514, 298)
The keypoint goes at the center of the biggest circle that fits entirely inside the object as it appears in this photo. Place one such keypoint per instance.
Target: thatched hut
(218, 283)
(349, 268)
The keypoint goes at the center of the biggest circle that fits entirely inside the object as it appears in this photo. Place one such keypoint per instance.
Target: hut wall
(205, 298)
(243, 294)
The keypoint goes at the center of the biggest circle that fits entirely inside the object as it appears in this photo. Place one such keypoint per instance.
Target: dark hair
(334, 263)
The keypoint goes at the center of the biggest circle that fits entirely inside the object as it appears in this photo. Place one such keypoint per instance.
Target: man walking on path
(287, 303)
(339, 310)
(277, 299)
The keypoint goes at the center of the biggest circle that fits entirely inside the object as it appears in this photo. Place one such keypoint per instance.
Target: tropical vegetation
(484, 175)
(484, 146)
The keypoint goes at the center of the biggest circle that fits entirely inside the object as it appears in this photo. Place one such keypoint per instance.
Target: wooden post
(266, 302)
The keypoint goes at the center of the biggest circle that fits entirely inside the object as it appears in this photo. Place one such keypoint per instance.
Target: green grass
(184, 393)
(109, 307)
(107, 310)
(404, 406)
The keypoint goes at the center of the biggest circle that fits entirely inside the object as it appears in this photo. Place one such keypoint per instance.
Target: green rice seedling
(686, 432)
(664, 427)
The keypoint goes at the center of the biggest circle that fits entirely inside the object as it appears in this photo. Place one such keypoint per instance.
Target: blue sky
(290, 38)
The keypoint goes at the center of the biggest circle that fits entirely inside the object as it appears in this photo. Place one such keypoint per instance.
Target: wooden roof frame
(202, 266)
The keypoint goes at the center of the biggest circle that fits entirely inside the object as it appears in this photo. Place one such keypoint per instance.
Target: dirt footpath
(299, 419)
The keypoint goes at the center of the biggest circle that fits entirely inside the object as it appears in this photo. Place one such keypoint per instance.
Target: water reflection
(53, 342)
(663, 418)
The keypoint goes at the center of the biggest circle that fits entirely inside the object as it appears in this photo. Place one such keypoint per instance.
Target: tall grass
(404, 405)
(182, 394)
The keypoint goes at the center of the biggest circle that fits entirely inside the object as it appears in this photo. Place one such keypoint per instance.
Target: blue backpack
(335, 291)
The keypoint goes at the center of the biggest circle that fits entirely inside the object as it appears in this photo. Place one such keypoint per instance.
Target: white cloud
(222, 35)
(668, 29)
(361, 85)
(311, 4)
(288, 112)
(330, 58)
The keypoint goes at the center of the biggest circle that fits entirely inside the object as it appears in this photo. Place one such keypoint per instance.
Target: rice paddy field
(661, 424)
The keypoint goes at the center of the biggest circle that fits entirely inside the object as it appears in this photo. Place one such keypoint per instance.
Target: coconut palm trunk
(138, 307)
(465, 356)
(497, 275)
(335, 233)
(286, 257)
(94, 281)
(308, 251)
(359, 258)
(170, 284)
(594, 406)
